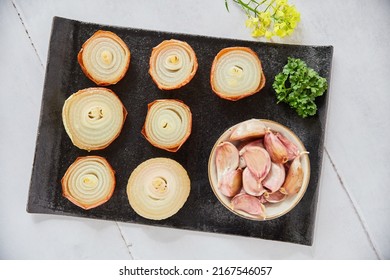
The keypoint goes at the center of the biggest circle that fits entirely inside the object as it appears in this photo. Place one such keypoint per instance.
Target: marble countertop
(353, 213)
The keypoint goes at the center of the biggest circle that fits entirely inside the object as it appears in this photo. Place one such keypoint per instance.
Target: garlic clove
(248, 129)
(248, 204)
(294, 178)
(292, 149)
(258, 161)
(242, 163)
(275, 177)
(275, 197)
(226, 158)
(242, 148)
(250, 184)
(262, 198)
(275, 147)
(230, 183)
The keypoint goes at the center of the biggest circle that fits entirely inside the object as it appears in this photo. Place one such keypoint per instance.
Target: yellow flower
(265, 18)
(279, 14)
(252, 22)
(268, 34)
(281, 2)
(258, 32)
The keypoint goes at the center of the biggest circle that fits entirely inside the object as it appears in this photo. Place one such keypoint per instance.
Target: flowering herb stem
(269, 18)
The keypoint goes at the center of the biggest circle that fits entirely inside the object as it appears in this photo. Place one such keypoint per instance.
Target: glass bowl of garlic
(259, 169)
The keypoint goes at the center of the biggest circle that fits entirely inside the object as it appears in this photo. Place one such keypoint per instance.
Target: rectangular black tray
(211, 117)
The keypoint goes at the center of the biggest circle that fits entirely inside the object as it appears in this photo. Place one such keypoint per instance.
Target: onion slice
(168, 124)
(236, 73)
(158, 188)
(88, 182)
(173, 64)
(93, 118)
(104, 58)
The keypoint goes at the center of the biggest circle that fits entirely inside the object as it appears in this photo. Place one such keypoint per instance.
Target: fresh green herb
(298, 86)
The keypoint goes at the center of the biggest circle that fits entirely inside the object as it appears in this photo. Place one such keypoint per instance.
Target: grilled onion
(158, 188)
(104, 58)
(173, 64)
(168, 124)
(93, 118)
(236, 73)
(88, 182)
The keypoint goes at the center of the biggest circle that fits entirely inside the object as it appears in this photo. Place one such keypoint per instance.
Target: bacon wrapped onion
(173, 64)
(88, 182)
(104, 58)
(236, 73)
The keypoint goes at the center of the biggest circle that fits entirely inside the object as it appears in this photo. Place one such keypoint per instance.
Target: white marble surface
(353, 213)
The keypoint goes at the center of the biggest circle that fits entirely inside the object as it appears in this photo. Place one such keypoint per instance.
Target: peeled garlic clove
(230, 183)
(275, 197)
(275, 148)
(294, 178)
(275, 177)
(248, 204)
(248, 129)
(226, 158)
(250, 184)
(292, 149)
(258, 161)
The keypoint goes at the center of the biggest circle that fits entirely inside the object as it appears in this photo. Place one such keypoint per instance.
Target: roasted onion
(168, 124)
(158, 188)
(173, 64)
(88, 182)
(104, 58)
(93, 118)
(236, 73)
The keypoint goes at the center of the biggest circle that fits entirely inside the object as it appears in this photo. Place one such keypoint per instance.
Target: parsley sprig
(298, 85)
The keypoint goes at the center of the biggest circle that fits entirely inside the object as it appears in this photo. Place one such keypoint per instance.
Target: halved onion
(168, 124)
(158, 188)
(93, 118)
(104, 58)
(236, 73)
(88, 182)
(173, 64)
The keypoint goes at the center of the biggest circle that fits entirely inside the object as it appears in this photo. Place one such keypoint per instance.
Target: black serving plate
(211, 117)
